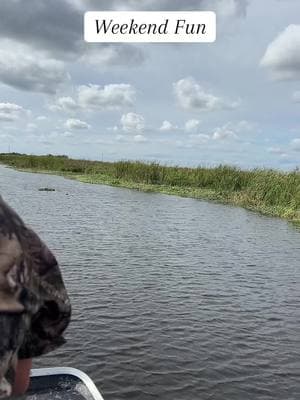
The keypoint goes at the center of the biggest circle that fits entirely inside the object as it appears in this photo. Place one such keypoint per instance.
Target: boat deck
(61, 383)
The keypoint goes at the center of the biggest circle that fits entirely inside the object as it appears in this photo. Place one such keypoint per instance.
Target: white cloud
(224, 8)
(76, 124)
(109, 97)
(139, 139)
(114, 128)
(231, 130)
(23, 69)
(243, 126)
(191, 96)
(95, 98)
(67, 134)
(191, 125)
(31, 126)
(167, 126)
(296, 96)
(282, 57)
(275, 150)
(295, 144)
(49, 138)
(10, 112)
(230, 8)
(223, 133)
(113, 55)
(285, 156)
(41, 118)
(59, 35)
(199, 138)
(67, 104)
(132, 122)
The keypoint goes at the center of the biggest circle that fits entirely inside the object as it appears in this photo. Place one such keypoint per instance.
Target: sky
(235, 101)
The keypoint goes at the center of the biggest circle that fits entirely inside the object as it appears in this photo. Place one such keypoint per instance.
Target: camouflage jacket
(34, 305)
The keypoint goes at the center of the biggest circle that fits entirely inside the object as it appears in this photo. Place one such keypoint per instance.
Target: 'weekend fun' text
(152, 26)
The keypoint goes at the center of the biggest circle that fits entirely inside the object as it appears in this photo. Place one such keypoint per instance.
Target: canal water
(173, 298)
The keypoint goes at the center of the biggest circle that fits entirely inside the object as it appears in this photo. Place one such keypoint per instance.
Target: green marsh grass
(270, 192)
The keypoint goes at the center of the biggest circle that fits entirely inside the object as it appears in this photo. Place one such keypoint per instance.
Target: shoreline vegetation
(266, 191)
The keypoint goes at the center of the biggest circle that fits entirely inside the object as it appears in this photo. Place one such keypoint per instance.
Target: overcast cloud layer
(236, 101)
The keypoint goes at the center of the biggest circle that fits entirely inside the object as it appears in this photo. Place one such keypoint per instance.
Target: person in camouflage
(34, 305)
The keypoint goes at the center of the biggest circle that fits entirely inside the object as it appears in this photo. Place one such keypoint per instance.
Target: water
(172, 298)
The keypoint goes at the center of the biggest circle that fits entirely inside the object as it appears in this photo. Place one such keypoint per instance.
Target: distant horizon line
(155, 161)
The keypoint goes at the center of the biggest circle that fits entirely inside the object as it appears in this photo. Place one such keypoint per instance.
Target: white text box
(150, 26)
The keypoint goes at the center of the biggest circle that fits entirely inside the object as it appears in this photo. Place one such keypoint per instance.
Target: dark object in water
(61, 383)
(46, 189)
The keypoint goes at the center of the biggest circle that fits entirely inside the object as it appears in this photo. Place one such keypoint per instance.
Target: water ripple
(172, 297)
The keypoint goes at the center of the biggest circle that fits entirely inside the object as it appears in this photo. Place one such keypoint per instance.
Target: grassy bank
(267, 191)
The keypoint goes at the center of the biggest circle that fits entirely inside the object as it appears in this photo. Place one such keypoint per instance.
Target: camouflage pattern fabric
(34, 305)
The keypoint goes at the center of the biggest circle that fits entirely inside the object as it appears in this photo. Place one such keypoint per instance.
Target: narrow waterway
(173, 298)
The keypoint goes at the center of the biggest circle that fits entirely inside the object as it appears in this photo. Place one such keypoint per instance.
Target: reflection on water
(172, 298)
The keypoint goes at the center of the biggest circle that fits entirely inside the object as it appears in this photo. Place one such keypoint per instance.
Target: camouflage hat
(12, 261)
(34, 305)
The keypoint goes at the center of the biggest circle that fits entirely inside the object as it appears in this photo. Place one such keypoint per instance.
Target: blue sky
(235, 101)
